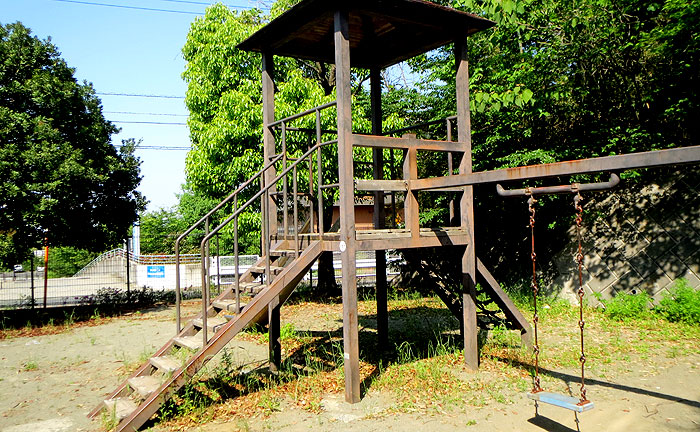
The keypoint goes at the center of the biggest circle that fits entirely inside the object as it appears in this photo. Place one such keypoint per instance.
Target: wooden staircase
(136, 399)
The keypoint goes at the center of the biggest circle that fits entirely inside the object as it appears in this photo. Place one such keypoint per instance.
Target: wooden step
(191, 342)
(213, 323)
(227, 305)
(283, 252)
(144, 385)
(121, 407)
(261, 269)
(252, 287)
(165, 363)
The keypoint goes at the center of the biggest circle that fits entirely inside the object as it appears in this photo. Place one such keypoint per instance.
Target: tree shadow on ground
(414, 333)
(575, 380)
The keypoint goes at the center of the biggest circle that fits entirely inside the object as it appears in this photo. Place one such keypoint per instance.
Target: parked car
(18, 268)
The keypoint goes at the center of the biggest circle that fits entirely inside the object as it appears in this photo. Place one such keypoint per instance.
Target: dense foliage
(61, 177)
(554, 80)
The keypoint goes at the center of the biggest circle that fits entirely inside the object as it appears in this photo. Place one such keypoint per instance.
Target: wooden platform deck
(382, 239)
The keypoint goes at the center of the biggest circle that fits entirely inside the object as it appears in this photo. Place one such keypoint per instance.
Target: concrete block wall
(636, 238)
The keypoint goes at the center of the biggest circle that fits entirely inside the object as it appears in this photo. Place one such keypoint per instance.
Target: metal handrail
(301, 114)
(205, 219)
(234, 217)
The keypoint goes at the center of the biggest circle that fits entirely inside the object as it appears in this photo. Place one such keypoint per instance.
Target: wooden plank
(351, 350)
(449, 239)
(410, 206)
(381, 185)
(273, 332)
(471, 350)
(269, 150)
(651, 159)
(505, 303)
(562, 401)
(405, 143)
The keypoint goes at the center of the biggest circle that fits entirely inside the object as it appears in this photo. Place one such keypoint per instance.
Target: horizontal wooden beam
(651, 159)
(382, 185)
(406, 143)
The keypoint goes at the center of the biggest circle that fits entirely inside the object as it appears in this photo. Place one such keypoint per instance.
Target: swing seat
(568, 402)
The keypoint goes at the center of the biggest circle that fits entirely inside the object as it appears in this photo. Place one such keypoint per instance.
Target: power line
(129, 7)
(158, 148)
(152, 9)
(146, 113)
(148, 122)
(137, 95)
(207, 4)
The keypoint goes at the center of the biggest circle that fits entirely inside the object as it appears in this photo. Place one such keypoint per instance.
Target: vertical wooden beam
(464, 135)
(375, 85)
(269, 150)
(351, 350)
(273, 329)
(410, 206)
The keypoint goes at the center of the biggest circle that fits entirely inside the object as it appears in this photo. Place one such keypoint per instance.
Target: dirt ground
(49, 383)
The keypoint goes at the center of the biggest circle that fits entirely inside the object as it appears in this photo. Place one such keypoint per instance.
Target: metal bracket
(561, 189)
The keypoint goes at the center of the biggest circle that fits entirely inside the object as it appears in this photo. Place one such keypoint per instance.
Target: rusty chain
(535, 318)
(581, 292)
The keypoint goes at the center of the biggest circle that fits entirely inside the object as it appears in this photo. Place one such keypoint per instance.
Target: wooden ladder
(136, 399)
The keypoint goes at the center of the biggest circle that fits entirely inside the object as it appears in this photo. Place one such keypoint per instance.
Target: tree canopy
(554, 80)
(60, 173)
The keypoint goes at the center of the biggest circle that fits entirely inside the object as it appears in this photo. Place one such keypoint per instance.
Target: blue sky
(127, 51)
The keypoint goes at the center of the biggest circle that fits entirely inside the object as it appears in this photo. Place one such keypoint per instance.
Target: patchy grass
(423, 370)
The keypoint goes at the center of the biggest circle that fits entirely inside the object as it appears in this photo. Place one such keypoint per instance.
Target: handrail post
(218, 266)
(450, 166)
(296, 212)
(208, 252)
(267, 237)
(177, 286)
(235, 257)
(205, 281)
(285, 209)
(311, 194)
(203, 269)
(319, 175)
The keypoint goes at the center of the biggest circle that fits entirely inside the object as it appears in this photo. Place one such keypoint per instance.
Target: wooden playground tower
(369, 34)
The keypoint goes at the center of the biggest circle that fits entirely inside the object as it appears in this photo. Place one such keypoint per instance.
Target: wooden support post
(471, 330)
(375, 86)
(410, 207)
(269, 149)
(351, 350)
(273, 329)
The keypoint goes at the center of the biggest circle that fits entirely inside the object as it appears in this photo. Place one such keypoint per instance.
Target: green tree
(224, 97)
(161, 228)
(561, 80)
(59, 171)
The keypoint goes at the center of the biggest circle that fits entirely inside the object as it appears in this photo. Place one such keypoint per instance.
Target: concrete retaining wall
(638, 238)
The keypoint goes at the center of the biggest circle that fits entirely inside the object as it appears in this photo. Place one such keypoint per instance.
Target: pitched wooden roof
(382, 32)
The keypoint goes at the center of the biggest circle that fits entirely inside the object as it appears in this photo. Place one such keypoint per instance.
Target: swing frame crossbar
(561, 401)
(561, 189)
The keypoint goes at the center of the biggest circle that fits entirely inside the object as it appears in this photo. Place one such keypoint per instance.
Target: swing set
(537, 393)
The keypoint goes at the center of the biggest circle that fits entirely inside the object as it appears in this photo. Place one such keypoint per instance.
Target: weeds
(109, 418)
(30, 365)
(682, 305)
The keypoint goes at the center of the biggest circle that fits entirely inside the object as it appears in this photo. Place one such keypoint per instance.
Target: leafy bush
(625, 306)
(682, 305)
